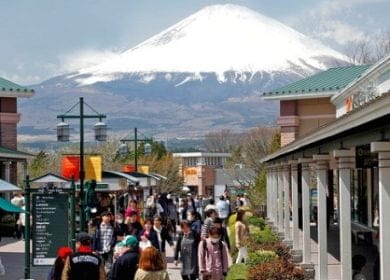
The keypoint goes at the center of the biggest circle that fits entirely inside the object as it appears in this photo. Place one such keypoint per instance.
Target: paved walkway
(12, 256)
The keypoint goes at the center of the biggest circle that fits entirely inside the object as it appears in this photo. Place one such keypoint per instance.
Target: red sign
(128, 168)
(70, 167)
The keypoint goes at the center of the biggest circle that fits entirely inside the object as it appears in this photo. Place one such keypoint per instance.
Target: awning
(8, 187)
(50, 178)
(9, 207)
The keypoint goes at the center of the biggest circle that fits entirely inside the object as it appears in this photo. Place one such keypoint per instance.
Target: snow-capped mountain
(219, 39)
(204, 73)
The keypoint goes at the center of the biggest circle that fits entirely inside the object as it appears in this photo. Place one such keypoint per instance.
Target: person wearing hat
(83, 265)
(126, 265)
(55, 272)
(104, 239)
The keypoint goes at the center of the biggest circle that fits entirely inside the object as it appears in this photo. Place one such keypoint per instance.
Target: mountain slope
(204, 73)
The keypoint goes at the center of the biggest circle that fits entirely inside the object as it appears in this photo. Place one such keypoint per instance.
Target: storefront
(347, 162)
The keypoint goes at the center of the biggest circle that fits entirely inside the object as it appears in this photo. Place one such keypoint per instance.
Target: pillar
(322, 166)
(274, 196)
(306, 240)
(280, 199)
(345, 162)
(383, 150)
(294, 202)
(269, 186)
(286, 188)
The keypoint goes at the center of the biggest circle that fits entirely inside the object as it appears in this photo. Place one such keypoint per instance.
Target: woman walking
(241, 236)
(187, 247)
(151, 266)
(59, 263)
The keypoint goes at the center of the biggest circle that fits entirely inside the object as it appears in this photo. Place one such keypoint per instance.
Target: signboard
(93, 168)
(70, 166)
(50, 226)
(190, 171)
(364, 157)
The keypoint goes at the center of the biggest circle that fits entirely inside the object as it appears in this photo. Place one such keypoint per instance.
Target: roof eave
(15, 93)
(297, 96)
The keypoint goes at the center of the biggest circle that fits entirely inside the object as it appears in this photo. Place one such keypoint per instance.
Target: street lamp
(63, 136)
(124, 149)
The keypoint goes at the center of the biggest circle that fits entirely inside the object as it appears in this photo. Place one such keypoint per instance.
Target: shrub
(277, 269)
(261, 256)
(237, 272)
(265, 236)
(256, 221)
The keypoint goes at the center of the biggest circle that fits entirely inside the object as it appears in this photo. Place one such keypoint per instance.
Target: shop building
(346, 160)
(9, 118)
(199, 170)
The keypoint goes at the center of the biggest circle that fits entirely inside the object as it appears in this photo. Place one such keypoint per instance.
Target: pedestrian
(104, 240)
(242, 233)
(196, 223)
(151, 266)
(238, 203)
(213, 257)
(245, 200)
(218, 223)
(22, 221)
(148, 236)
(187, 248)
(18, 200)
(133, 227)
(172, 216)
(211, 214)
(83, 265)
(125, 267)
(55, 272)
(223, 208)
(211, 205)
(150, 207)
(133, 208)
(162, 236)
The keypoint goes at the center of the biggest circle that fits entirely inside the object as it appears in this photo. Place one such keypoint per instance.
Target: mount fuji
(204, 73)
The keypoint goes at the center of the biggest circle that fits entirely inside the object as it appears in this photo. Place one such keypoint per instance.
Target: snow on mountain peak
(218, 39)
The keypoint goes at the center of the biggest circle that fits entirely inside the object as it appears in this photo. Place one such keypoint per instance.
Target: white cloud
(83, 59)
(341, 33)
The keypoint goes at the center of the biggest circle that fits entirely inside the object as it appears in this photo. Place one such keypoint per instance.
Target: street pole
(27, 209)
(82, 173)
(135, 150)
(72, 214)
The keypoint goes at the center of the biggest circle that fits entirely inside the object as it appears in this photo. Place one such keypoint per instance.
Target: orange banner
(128, 168)
(143, 169)
(70, 166)
(93, 168)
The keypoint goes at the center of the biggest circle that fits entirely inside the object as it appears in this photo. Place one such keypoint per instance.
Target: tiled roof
(6, 85)
(333, 79)
(13, 153)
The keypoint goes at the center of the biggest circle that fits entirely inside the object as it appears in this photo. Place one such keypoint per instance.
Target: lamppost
(124, 149)
(63, 136)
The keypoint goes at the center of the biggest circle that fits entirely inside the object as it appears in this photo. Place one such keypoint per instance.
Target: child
(213, 257)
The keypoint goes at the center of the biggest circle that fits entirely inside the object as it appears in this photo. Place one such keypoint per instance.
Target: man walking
(83, 265)
(104, 240)
(126, 265)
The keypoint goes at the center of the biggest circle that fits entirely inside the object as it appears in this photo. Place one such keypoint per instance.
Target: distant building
(199, 170)
(9, 118)
(306, 106)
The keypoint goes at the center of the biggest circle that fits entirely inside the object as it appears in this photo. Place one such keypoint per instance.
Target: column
(269, 186)
(7, 173)
(306, 240)
(322, 162)
(280, 199)
(274, 196)
(383, 150)
(345, 162)
(294, 198)
(286, 188)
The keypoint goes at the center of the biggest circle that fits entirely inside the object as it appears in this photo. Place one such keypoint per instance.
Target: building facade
(9, 118)
(199, 170)
(350, 160)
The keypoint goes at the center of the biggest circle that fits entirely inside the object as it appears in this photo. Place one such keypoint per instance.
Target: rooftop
(14, 154)
(323, 84)
(11, 89)
(201, 154)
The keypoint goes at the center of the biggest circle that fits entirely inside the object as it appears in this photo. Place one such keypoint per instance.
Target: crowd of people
(132, 245)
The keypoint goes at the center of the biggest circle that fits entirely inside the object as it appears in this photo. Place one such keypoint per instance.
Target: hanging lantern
(123, 149)
(147, 149)
(100, 131)
(63, 132)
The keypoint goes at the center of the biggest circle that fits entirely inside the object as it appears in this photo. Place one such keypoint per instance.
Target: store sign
(366, 93)
(50, 226)
(364, 157)
(191, 171)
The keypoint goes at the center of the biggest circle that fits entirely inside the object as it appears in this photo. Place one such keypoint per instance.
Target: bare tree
(222, 141)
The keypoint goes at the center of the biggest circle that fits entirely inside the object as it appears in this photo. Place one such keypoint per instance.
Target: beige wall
(300, 117)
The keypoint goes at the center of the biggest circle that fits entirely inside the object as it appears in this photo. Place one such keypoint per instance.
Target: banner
(143, 169)
(70, 166)
(93, 168)
(128, 168)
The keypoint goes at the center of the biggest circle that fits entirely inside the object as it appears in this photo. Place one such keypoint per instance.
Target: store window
(359, 196)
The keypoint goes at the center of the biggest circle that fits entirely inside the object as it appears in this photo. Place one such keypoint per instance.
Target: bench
(361, 232)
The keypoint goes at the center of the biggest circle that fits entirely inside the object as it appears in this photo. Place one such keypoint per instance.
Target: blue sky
(44, 38)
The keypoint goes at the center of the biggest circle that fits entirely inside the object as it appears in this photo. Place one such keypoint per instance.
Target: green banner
(50, 226)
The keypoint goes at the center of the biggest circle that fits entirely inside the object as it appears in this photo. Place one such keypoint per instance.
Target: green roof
(6, 85)
(333, 79)
(13, 153)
